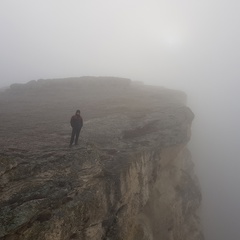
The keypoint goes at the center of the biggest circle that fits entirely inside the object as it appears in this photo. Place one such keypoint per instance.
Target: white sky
(160, 41)
(189, 44)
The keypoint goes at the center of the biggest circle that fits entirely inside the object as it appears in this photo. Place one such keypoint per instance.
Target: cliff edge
(130, 178)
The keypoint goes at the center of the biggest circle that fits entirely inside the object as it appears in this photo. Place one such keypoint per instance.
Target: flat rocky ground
(38, 118)
(120, 117)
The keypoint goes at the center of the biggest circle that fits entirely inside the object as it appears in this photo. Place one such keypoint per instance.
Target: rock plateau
(130, 178)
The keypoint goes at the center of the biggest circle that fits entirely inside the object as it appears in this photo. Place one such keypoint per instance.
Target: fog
(188, 45)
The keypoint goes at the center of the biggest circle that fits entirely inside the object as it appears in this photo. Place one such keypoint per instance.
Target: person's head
(78, 112)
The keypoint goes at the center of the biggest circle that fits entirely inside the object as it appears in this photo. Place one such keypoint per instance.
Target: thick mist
(187, 45)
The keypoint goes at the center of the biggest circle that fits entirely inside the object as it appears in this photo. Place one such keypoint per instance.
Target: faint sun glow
(173, 36)
(172, 40)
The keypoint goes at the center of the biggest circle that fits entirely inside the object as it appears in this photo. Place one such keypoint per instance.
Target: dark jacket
(76, 121)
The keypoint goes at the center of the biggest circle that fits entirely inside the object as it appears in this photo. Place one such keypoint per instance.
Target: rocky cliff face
(131, 177)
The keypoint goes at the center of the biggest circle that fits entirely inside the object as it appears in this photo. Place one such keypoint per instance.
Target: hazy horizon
(189, 45)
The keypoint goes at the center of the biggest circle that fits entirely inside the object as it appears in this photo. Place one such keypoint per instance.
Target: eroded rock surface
(131, 177)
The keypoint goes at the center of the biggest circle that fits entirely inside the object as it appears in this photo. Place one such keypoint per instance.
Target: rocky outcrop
(131, 177)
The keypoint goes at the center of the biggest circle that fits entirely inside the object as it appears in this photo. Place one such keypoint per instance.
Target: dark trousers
(75, 134)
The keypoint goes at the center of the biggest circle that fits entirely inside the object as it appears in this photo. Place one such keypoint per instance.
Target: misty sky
(166, 41)
(189, 44)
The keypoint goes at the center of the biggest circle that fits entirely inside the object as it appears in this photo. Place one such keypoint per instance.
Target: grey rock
(131, 177)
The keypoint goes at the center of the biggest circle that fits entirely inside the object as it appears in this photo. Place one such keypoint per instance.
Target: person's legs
(77, 135)
(72, 137)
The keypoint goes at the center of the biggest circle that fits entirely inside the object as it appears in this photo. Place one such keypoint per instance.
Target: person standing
(76, 124)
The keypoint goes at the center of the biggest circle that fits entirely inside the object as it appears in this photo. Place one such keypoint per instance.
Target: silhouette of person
(76, 123)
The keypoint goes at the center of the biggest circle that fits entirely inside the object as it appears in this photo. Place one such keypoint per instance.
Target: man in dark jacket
(76, 123)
